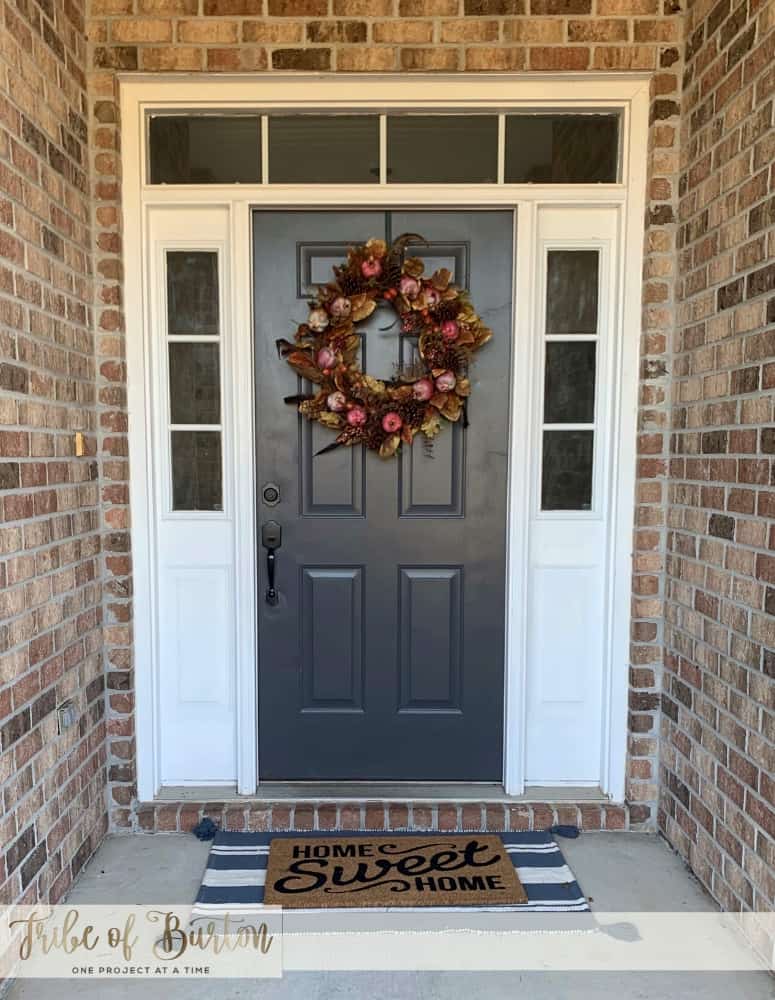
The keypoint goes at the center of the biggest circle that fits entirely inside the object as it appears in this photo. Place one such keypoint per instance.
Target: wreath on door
(433, 387)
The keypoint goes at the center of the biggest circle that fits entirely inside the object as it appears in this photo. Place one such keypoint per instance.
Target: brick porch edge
(181, 817)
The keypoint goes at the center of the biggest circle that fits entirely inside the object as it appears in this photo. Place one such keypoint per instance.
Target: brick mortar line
(53, 599)
(760, 832)
(73, 805)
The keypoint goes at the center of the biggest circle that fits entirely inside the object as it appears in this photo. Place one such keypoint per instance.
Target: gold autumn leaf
(453, 407)
(465, 337)
(438, 400)
(362, 306)
(390, 446)
(413, 266)
(463, 387)
(441, 278)
(303, 365)
(332, 420)
(483, 334)
(372, 384)
(431, 426)
(376, 248)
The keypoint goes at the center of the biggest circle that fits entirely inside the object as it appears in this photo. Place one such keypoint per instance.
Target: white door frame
(627, 93)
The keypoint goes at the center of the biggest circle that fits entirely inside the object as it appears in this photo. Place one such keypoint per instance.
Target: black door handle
(271, 593)
(271, 539)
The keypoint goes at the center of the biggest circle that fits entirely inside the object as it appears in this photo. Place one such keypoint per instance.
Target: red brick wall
(53, 798)
(342, 35)
(718, 759)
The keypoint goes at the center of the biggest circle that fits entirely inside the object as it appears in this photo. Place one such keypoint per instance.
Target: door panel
(384, 656)
(332, 659)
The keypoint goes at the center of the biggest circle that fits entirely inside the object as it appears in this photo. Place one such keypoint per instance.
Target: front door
(383, 658)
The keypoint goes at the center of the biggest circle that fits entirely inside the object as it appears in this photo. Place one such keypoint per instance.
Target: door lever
(271, 539)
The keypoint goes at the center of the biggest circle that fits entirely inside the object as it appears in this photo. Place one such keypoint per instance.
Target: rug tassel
(205, 829)
(565, 830)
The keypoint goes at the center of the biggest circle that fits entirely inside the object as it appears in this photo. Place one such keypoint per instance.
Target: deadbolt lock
(271, 494)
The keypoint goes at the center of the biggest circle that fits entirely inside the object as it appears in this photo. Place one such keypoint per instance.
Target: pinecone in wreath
(413, 412)
(447, 310)
(372, 434)
(350, 283)
(392, 269)
(450, 358)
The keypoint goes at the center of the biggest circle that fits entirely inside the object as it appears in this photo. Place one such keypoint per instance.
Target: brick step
(254, 814)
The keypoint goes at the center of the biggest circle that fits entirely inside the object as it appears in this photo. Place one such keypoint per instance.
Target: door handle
(271, 539)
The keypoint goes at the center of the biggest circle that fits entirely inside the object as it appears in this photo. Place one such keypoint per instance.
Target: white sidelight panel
(570, 506)
(191, 472)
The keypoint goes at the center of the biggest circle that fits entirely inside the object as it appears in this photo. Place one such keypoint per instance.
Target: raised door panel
(332, 639)
(197, 674)
(431, 481)
(334, 488)
(430, 626)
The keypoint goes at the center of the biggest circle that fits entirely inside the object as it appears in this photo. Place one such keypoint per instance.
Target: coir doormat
(431, 870)
(235, 879)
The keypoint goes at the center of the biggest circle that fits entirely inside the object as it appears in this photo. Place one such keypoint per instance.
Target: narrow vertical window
(570, 379)
(194, 366)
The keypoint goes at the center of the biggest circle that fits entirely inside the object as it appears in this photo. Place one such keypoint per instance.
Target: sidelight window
(194, 379)
(570, 376)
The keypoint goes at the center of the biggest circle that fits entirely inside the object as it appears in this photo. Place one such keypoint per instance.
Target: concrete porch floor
(620, 872)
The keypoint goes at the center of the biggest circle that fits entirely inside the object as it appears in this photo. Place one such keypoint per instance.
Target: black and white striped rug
(236, 871)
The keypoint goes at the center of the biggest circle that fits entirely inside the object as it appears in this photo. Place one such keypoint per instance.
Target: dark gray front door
(384, 658)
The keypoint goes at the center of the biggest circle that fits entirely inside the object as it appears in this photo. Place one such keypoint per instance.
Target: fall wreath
(363, 409)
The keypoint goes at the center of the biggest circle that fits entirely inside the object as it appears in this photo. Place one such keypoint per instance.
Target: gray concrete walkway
(620, 872)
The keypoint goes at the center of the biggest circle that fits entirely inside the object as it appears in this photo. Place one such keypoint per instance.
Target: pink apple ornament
(423, 390)
(446, 382)
(326, 358)
(450, 330)
(341, 307)
(391, 422)
(356, 417)
(371, 267)
(410, 287)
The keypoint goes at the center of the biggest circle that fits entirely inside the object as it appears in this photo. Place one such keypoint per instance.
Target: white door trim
(628, 93)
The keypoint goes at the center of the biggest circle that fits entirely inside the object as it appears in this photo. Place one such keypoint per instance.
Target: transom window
(282, 148)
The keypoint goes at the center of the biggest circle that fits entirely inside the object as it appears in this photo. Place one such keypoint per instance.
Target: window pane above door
(324, 149)
(562, 149)
(442, 149)
(204, 149)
